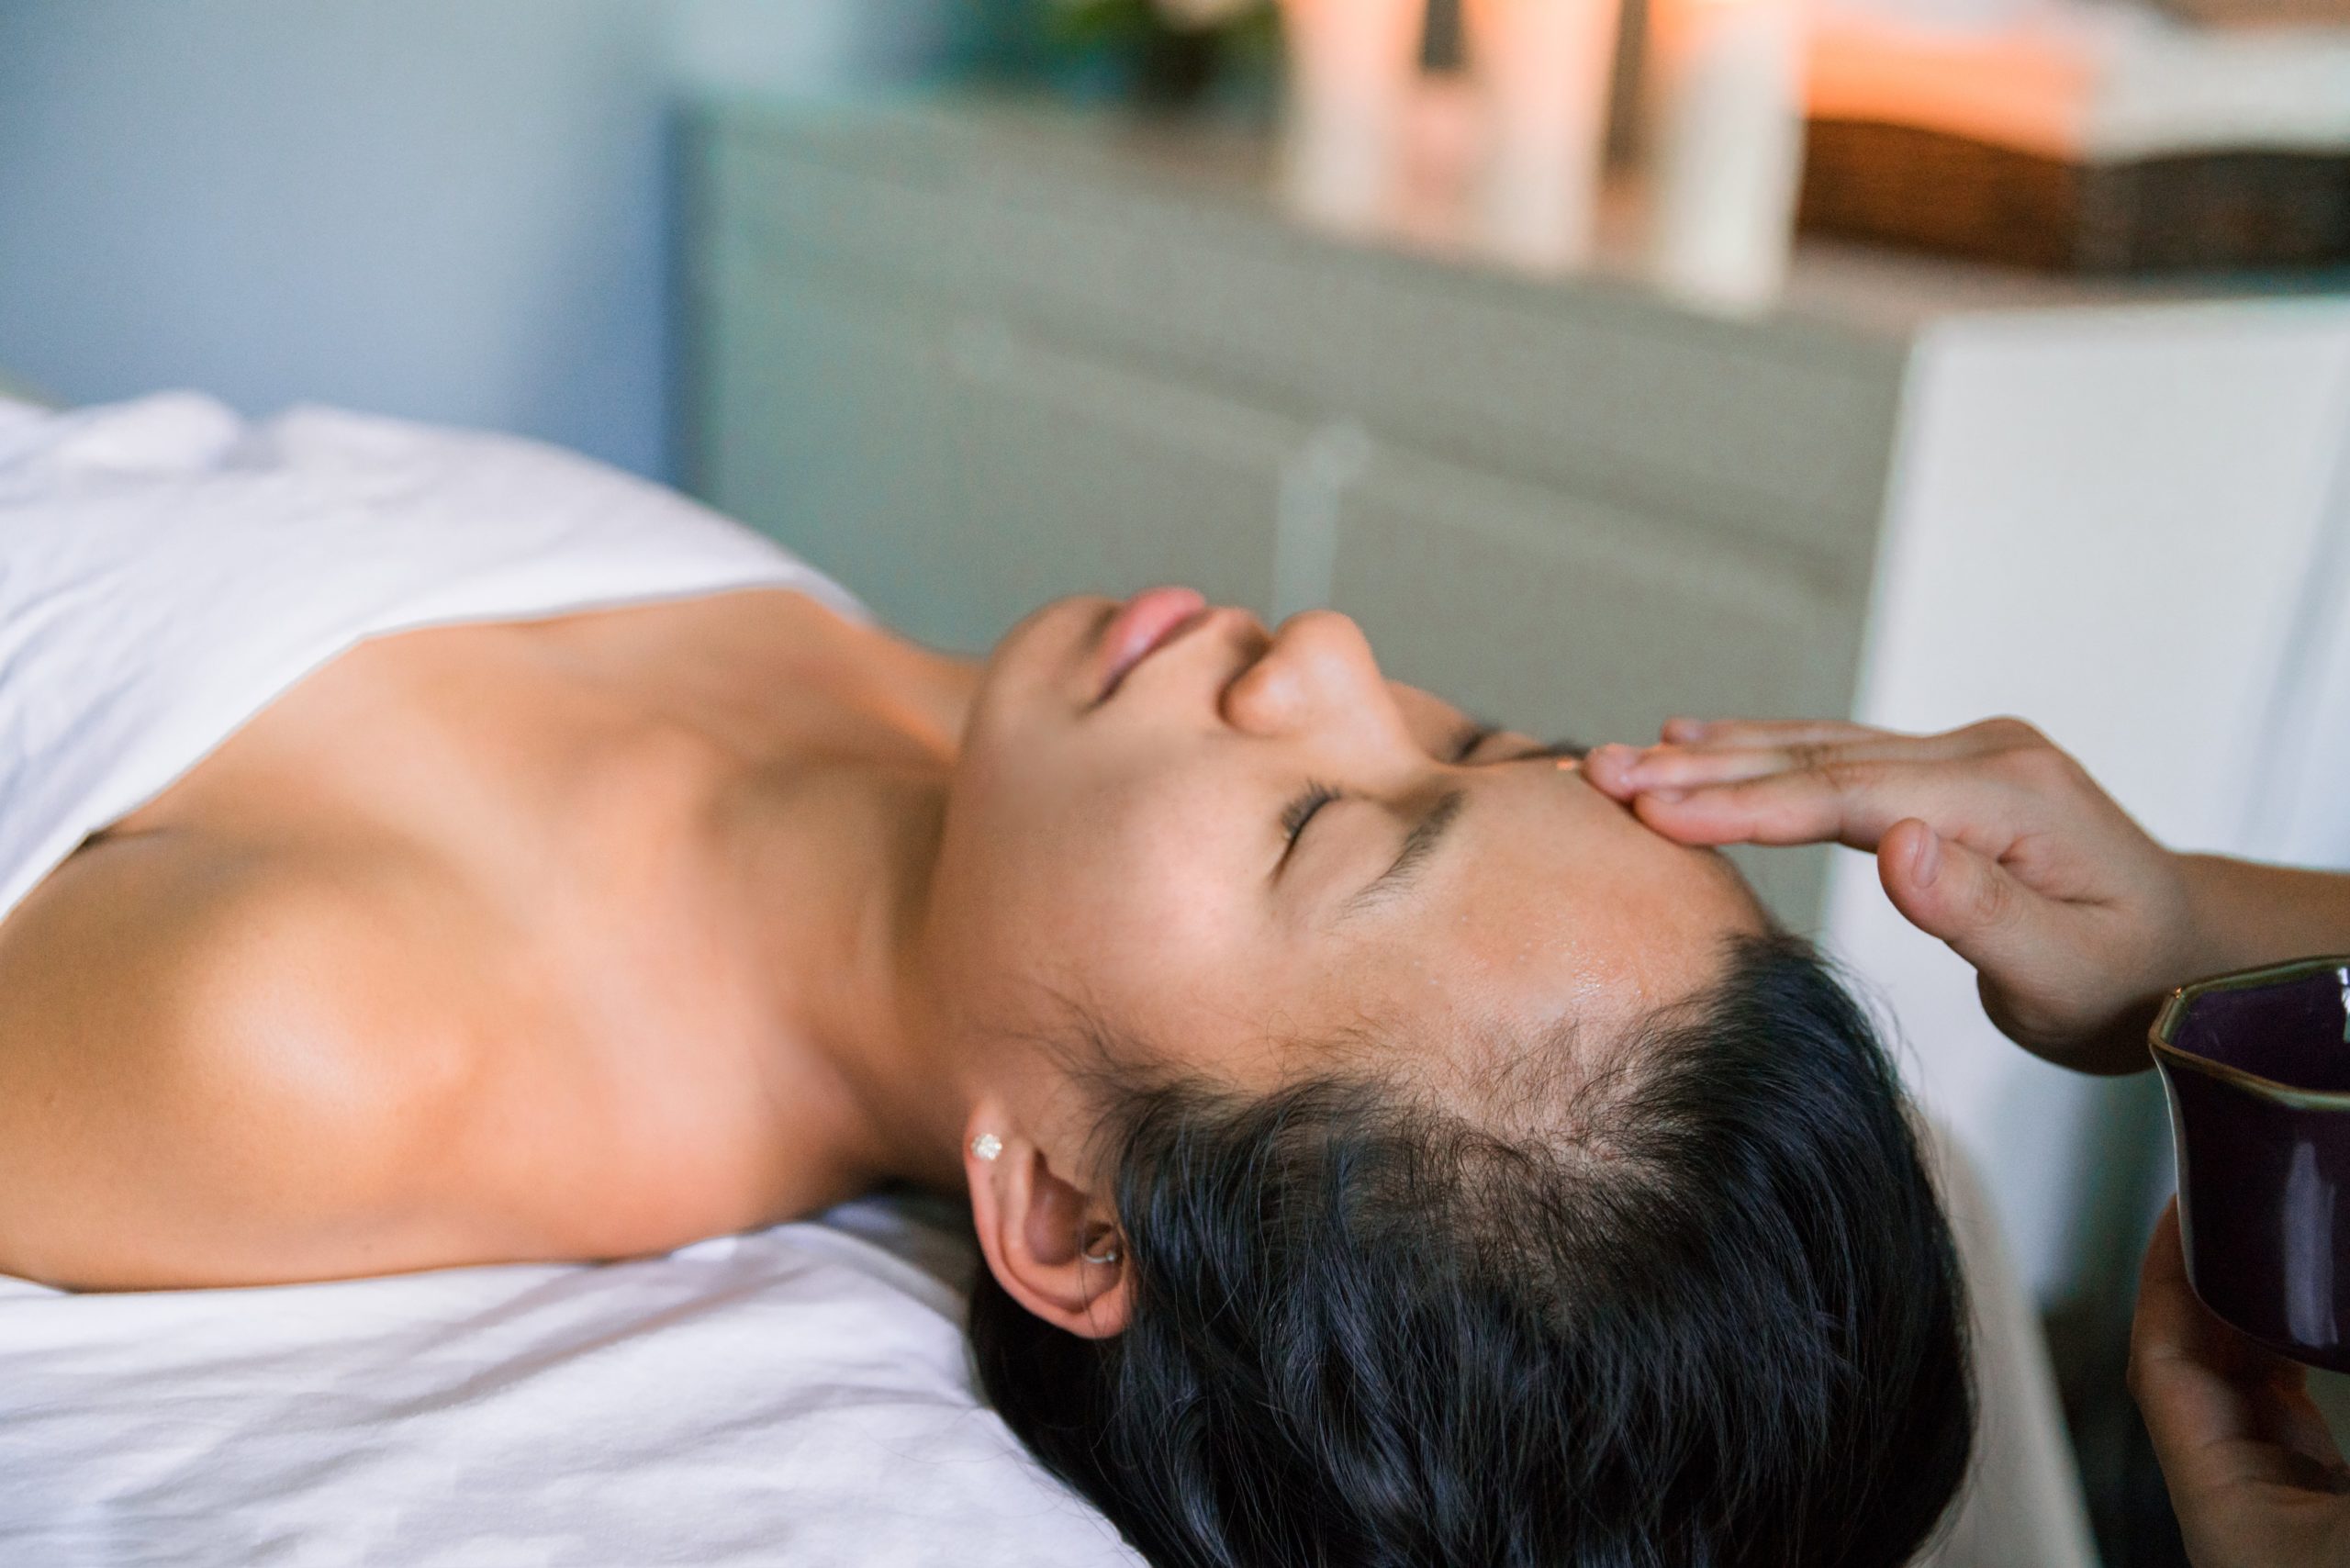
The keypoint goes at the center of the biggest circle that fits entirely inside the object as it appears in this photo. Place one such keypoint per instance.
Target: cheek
(1124, 895)
(1140, 888)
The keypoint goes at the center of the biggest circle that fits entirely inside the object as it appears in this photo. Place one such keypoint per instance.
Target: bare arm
(2248, 913)
(183, 1100)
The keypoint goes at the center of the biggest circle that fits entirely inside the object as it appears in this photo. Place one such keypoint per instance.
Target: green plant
(1137, 22)
(1167, 54)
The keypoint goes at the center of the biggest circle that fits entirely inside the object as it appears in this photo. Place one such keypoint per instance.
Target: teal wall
(449, 209)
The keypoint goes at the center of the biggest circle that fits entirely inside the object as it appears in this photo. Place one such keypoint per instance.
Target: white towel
(168, 568)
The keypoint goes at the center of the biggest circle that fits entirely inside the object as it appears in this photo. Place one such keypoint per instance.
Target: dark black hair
(1695, 1305)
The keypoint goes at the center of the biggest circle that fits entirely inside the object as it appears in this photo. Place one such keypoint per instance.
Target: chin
(1045, 650)
(1022, 715)
(1063, 625)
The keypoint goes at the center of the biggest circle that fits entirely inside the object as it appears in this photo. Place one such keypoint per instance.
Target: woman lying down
(421, 848)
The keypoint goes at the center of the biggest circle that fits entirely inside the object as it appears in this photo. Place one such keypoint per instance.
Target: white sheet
(796, 1396)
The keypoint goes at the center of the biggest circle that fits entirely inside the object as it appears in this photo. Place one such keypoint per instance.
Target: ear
(1035, 1227)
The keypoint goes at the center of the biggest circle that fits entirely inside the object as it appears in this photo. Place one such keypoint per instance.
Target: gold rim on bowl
(2174, 1010)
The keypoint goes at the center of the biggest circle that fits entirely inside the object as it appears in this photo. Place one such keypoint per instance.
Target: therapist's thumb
(1964, 896)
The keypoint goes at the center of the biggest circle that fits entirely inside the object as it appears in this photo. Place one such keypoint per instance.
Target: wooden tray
(1932, 191)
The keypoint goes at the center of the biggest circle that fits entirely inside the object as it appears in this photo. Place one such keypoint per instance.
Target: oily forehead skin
(1127, 863)
(1546, 900)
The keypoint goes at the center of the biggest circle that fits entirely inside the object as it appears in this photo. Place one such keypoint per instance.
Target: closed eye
(1303, 810)
(1472, 736)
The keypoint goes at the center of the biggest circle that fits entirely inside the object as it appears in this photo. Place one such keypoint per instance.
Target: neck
(831, 853)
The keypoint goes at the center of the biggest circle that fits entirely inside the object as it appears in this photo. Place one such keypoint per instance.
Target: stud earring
(986, 1146)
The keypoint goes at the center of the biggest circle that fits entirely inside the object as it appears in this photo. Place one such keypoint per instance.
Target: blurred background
(441, 209)
(1911, 359)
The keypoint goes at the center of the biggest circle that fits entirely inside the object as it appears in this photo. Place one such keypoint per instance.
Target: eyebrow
(1419, 845)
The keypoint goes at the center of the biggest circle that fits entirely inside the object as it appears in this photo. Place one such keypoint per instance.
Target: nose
(1318, 669)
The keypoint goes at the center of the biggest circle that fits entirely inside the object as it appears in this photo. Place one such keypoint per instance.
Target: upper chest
(494, 747)
(473, 869)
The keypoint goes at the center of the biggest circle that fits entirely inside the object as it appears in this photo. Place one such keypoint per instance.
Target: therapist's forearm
(2247, 914)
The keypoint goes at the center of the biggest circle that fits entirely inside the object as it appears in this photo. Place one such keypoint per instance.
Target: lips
(1149, 622)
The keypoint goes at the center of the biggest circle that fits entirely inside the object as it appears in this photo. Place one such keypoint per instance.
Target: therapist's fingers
(1970, 900)
(1698, 768)
(1683, 731)
(1847, 803)
(2040, 962)
(1695, 753)
(2230, 1421)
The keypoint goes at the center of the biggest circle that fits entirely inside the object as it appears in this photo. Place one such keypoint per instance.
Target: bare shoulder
(226, 1065)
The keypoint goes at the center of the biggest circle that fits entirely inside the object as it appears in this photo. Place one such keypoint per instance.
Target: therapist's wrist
(2245, 914)
(2211, 942)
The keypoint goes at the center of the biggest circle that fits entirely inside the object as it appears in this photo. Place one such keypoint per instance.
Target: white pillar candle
(1351, 64)
(1546, 68)
(1725, 146)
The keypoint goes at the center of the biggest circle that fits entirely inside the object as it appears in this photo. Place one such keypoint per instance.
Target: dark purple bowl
(2257, 1068)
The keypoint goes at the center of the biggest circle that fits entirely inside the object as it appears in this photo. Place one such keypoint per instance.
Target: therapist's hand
(1988, 837)
(2255, 1478)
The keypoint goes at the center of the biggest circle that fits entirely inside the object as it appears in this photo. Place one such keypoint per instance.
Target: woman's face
(1231, 847)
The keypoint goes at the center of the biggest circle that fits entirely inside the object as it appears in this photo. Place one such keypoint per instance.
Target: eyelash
(1470, 739)
(1301, 810)
(1315, 796)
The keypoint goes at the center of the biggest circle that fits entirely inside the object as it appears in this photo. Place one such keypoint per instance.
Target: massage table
(798, 1395)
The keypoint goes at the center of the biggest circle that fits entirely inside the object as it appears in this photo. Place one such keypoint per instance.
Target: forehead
(1547, 900)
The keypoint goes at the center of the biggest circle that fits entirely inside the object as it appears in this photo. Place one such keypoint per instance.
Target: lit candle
(1546, 68)
(1725, 146)
(1351, 64)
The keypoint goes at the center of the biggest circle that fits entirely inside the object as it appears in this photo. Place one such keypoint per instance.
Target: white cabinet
(1174, 482)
